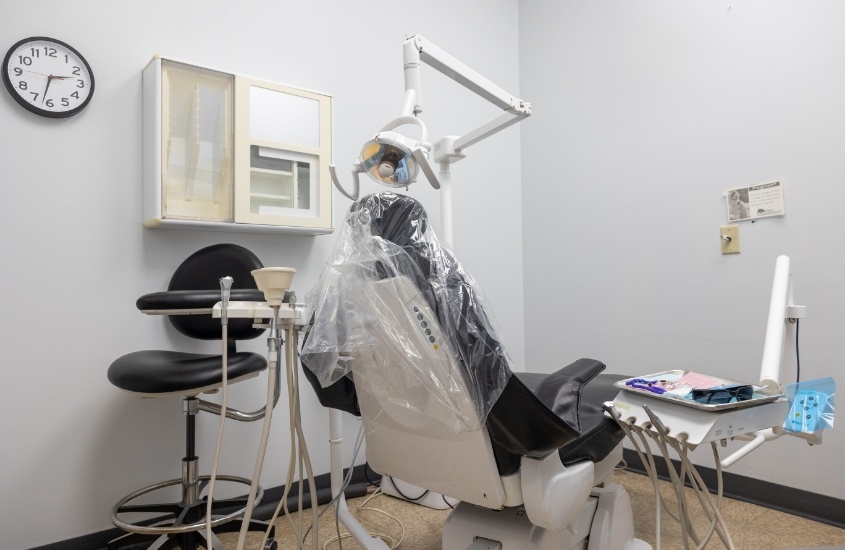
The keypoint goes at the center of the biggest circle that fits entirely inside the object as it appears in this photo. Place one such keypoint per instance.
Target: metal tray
(761, 395)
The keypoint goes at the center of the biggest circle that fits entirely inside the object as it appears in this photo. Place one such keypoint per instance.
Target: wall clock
(48, 77)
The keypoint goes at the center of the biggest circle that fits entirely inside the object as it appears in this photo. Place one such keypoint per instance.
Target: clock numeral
(18, 71)
(22, 84)
(35, 52)
(65, 58)
(81, 84)
(75, 94)
(49, 52)
(23, 60)
(36, 96)
(49, 103)
(65, 102)
(75, 70)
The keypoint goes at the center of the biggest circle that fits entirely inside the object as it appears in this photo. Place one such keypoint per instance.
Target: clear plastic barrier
(395, 308)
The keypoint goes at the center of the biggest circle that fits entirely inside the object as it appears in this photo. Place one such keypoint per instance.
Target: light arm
(416, 50)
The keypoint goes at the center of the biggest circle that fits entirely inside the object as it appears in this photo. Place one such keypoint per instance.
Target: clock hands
(50, 79)
(49, 76)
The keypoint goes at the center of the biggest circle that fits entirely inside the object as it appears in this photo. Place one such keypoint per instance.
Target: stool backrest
(201, 272)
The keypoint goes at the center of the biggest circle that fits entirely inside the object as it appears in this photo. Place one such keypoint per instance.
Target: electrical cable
(649, 465)
(728, 542)
(298, 448)
(367, 476)
(274, 343)
(675, 482)
(662, 439)
(346, 480)
(344, 485)
(304, 448)
(403, 495)
(797, 355)
(393, 544)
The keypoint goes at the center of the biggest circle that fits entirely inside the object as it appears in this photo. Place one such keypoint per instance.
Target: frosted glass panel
(283, 118)
(198, 160)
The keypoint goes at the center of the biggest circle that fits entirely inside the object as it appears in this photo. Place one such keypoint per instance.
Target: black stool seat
(155, 371)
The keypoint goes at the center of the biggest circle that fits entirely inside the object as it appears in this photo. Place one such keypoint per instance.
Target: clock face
(48, 77)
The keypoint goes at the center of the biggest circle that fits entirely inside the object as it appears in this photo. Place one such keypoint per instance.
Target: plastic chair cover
(395, 306)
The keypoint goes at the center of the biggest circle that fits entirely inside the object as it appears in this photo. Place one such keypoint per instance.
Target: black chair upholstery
(195, 285)
(536, 414)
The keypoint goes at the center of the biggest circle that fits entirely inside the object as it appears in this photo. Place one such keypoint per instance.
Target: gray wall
(644, 113)
(75, 256)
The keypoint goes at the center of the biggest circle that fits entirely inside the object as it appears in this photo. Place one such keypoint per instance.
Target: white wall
(644, 113)
(75, 256)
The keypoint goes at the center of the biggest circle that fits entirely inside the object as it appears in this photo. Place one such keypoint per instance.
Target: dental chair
(399, 337)
(188, 301)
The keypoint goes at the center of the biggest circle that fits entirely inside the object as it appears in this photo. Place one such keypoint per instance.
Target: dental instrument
(281, 309)
(225, 292)
(274, 282)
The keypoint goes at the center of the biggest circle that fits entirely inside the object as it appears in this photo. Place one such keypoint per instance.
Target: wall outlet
(729, 235)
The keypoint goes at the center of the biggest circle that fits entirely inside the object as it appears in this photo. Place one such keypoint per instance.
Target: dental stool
(188, 301)
(537, 471)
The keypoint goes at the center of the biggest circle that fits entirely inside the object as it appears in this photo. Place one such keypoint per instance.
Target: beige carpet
(750, 527)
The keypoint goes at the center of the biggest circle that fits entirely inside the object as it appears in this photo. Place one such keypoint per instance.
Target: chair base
(188, 541)
(604, 523)
(182, 523)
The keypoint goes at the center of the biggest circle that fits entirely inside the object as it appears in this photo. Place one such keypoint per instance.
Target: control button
(428, 331)
(416, 308)
(420, 316)
(431, 339)
(424, 324)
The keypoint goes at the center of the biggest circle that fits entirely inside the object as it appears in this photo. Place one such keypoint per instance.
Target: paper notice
(757, 201)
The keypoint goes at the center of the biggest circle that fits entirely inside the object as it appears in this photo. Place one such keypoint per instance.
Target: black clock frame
(27, 105)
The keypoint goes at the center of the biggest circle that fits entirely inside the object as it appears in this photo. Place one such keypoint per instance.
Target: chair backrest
(200, 275)
(410, 427)
(401, 315)
(387, 282)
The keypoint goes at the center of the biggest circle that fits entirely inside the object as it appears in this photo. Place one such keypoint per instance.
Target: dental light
(395, 160)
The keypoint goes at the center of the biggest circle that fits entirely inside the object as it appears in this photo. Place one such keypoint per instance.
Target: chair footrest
(183, 517)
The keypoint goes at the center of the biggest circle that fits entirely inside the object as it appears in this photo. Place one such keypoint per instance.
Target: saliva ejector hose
(225, 291)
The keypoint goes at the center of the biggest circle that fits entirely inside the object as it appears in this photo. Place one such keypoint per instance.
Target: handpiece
(225, 292)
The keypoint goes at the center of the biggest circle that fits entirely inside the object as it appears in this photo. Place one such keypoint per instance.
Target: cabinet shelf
(270, 171)
(270, 197)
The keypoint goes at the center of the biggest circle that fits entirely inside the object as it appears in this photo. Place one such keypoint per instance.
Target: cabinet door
(283, 152)
(197, 134)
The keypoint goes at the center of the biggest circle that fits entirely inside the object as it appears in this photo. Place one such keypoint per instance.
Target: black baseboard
(357, 487)
(797, 502)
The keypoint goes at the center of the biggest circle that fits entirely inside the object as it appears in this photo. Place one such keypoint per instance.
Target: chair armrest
(193, 299)
(552, 493)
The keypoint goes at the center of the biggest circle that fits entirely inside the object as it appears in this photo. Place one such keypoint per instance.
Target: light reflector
(388, 159)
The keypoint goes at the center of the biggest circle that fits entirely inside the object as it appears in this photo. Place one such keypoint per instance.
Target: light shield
(388, 159)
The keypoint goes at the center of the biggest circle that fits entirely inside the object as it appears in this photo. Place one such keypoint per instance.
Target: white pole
(358, 532)
(775, 328)
(446, 204)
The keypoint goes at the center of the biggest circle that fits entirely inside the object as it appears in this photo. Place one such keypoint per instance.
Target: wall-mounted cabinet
(224, 151)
